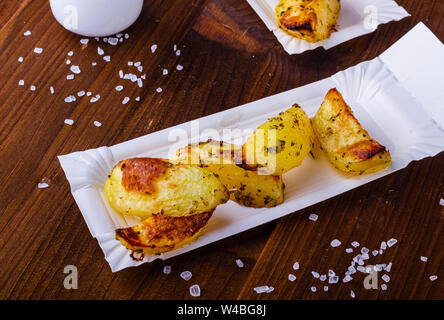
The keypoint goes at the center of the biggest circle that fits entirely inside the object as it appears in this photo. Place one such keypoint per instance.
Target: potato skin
(310, 20)
(246, 187)
(159, 234)
(293, 141)
(148, 186)
(346, 143)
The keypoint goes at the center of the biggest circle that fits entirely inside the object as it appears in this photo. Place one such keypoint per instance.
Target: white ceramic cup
(96, 18)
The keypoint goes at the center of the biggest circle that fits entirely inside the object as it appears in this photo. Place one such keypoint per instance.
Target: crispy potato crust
(147, 186)
(346, 143)
(310, 20)
(159, 234)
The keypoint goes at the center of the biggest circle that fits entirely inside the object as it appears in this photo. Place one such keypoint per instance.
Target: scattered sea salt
(137, 98)
(296, 266)
(195, 290)
(137, 64)
(69, 77)
(389, 267)
(68, 61)
(313, 289)
(94, 99)
(126, 35)
(125, 100)
(441, 202)
(27, 33)
(140, 83)
(383, 287)
(120, 74)
(21, 83)
(263, 289)
(69, 99)
(386, 278)
(355, 244)
(75, 69)
(186, 275)
(315, 274)
(313, 217)
(325, 288)
(51, 89)
(333, 279)
(113, 41)
(167, 269)
(81, 93)
(107, 58)
(97, 124)
(133, 77)
(70, 53)
(375, 252)
(84, 41)
(42, 185)
(159, 90)
(32, 88)
(38, 50)
(130, 63)
(88, 94)
(179, 67)
(178, 53)
(335, 243)
(20, 59)
(119, 88)
(331, 273)
(239, 263)
(69, 122)
(347, 278)
(100, 51)
(164, 72)
(291, 277)
(349, 250)
(433, 278)
(383, 245)
(323, 277)
(174, 47)
(364, 250)
(93, 64)
(153, 48)
(140, 68)
(119, 35)
(424, 258)
(392, 242)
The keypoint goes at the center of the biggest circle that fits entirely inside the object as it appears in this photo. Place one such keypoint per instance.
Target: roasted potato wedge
(159, 234)
(347, 145)
(246, 187)
(148, 186)
(310, 20)
(280, 144)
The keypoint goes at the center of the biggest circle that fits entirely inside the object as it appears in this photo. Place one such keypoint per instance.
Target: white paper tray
(398, 98)
(357, 17)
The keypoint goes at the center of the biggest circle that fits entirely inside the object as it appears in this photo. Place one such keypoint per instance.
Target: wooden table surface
(229, 58)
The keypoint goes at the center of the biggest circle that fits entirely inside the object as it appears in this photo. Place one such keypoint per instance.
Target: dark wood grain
(229, 58)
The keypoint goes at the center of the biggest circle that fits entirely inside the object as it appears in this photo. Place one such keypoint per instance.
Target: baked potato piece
(310, 20)
(246, 187)
(159, 234)
(280, 144)
(347, 145)
(148, 186)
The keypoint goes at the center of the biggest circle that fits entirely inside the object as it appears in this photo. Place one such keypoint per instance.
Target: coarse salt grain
(392, 242)
(313, 217)
(263, 289)
(21, 83)
(81, 93)
(323, 277)
(335, 243)
(38, 50)
(75, 69)
(179, 67)
(383, 287)
(383, 245)
(42, 185)
(27, 33)
(167, 269)
(140, 83)
(137, 98)
(107, 58)
(93, 99)
(20, 59)
(126, 35)
(93, 64)
(347, 278)
(355, 244)
(389, 267)
(326, 288)
(140, 68)
(178, 53)
(133, 77)
(195, 290)
(315, 274)
(331, 273)
(32, 88)
(153, 48)
(386, 278)
(70, 53)
(120, 74)
(424, 258)
(296, 266)
(137, 64)
(88, 94)
(441, 202)
(125, 100)
(433, 278)
(174, 47)
(69, 77)
(186, 275)
(239, 263)
(84, 41)
(352, 294)
(333, 279)
(349, 250)
(100, 51)
(364, 250)
(313, 289)
(69, 122)
(68, 61)
(159, 90)
(51, 89)
(130, 63)
(291, 277)
(375, 252)
(119, 88)
(97, 124)
(164, 72)
(113, 41)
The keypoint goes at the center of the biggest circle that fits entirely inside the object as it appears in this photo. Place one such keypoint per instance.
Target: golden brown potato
(310, 20)
(159, 234)
(246, 187)
(347, 145)
(148, 186)
(280, 144)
